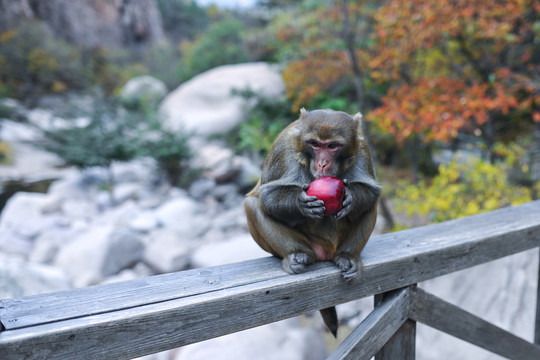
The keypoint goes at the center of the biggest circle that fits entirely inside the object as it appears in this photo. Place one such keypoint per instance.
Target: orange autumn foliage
(308, 77)
(468, 76)
(437, 108)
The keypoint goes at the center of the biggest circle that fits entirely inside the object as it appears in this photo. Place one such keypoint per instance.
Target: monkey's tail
(330, 319)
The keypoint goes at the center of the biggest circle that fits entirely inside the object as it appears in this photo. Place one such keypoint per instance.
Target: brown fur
(287, 223)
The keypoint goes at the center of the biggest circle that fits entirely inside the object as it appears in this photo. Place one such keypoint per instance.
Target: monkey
(286, 222)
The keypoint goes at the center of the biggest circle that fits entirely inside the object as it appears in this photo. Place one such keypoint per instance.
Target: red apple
(330, 190)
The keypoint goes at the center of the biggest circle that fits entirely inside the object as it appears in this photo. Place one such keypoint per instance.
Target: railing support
(537, 323)
(402, 345)
(143, 316)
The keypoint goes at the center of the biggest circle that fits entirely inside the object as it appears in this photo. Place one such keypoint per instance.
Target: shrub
(112, 133)
(264, 119)
(106, 137)
(181, 18)
(6, 153)
(461, 189)
(33, 61)
(220, 44)
(169, 149)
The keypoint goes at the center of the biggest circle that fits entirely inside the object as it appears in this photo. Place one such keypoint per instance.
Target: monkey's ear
(358, 119)
(303, 113)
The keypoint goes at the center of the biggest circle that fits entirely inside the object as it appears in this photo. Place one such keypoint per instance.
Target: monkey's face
(327, 138)
(323, 157)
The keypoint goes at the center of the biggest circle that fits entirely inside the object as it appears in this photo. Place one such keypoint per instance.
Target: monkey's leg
(278, 239)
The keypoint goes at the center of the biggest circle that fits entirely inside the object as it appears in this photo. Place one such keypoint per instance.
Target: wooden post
(537, 324)
(402, 345)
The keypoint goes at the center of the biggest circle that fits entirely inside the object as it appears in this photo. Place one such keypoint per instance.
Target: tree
(104, 138)
(324, 51)
(109, 133)
(220, 44)
(327, 52)
(448, 64)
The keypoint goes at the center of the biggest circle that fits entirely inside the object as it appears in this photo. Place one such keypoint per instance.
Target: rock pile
(79, 228)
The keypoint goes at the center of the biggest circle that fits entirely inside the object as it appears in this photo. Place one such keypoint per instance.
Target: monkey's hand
(310, 206)
(347, 203)
(350, 266)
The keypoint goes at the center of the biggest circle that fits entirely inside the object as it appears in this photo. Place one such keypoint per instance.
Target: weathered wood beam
(439, 314)
(144, 316)
(94, 300)
(402, 344)
(537, 322)
(376, 329)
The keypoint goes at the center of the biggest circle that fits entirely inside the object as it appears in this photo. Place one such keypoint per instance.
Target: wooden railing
(139, 317)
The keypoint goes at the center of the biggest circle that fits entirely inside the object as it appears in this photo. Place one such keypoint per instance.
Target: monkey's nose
(322, 165)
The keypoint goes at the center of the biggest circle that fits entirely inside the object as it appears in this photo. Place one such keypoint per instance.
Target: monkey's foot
(351, 267)
(296, 263)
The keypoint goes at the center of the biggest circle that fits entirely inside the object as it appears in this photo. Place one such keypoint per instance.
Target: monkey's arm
(289, 203)
(283, 187)
(359, 198)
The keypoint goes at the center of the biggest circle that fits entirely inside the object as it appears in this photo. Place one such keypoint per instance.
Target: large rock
(142, 90)
(20, 278)
(167, 252)
(101, 252)
(91, 23)
(23, 215)
(205, 103)
(29, 162)
(178, 215)
(222, 165)
(502, 292)
(48, 243)
(239, 248)
(284, 340)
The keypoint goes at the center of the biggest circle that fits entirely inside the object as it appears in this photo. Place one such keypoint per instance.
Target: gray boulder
(220, 164)
(177, 215)
(98, 253)
(284, 340)
(23, 215)
(502, 292)
(90, 23)
(167, 252)
(143, 89)
(144, 221)
(20, 278)
(29, 162)
(47, 244)
(205, 104)
(239, 248)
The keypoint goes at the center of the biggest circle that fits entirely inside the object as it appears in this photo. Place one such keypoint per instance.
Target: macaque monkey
(288, 223)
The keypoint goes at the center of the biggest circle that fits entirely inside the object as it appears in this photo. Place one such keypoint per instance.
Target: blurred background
(131, 130)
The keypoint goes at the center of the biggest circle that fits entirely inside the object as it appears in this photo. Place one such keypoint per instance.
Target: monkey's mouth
(317, 175)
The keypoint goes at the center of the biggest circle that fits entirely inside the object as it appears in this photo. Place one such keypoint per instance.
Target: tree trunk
(358, 78)
(489, 138)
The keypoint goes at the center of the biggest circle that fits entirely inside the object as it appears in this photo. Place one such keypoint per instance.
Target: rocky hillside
(123, 23)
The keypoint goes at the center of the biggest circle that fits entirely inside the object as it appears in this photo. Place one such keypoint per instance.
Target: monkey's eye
(334, 146)
(313, 143)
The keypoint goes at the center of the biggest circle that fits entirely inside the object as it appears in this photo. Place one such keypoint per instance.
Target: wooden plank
(152, 328)
(486, 237)
(402, 344)
(439, 314)
(391, 261)
(376, 329)
(63, 305)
